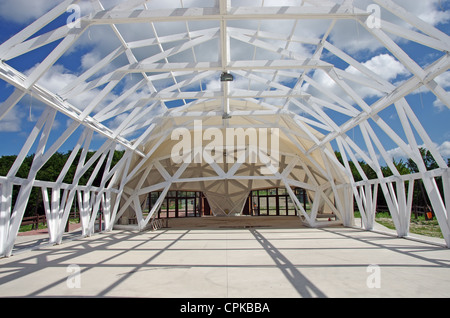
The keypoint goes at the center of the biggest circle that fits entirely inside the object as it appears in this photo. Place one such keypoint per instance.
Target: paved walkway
(226, 260)
(29, 240)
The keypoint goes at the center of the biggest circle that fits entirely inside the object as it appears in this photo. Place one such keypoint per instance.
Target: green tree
(401, 166)
(368, 171)
(50, 172)
(420, 195)
(428, 160)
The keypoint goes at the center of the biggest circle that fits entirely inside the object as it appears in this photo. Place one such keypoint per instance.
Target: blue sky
(17, 14)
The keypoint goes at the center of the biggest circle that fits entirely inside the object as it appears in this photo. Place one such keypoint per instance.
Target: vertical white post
(439, 208)
(404, 214)
(83, 204)
(347, 214)
(5, 211)
(54, 213)
(106, 204)
(370, 209)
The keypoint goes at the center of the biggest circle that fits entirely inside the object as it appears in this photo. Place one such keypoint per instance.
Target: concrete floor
(221, 259)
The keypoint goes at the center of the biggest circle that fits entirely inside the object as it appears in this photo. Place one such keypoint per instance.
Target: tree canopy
(50, 172)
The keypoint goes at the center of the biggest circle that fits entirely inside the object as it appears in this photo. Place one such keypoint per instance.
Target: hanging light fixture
(226, 77)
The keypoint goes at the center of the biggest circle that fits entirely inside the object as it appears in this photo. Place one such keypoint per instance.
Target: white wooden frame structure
(308, 122)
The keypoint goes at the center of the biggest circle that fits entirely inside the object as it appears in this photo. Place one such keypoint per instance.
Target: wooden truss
(277, 90)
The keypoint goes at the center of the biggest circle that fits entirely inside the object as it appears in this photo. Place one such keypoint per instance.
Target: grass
(428, 228)
(418, 226)
(29, 227)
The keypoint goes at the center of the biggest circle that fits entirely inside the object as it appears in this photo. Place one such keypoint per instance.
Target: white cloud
(57, 78)
(444, 149)
(439, 105)
(443, 80)
(12, 121)
(398, 153)
(90, 59)
(352, 37)
(430, 11)
(24, 11)
(384, 65)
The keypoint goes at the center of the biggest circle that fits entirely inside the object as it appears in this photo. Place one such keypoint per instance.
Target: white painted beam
(235, 13)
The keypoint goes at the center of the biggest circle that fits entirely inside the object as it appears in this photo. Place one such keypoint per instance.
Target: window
(274, 201)
(178, 204)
